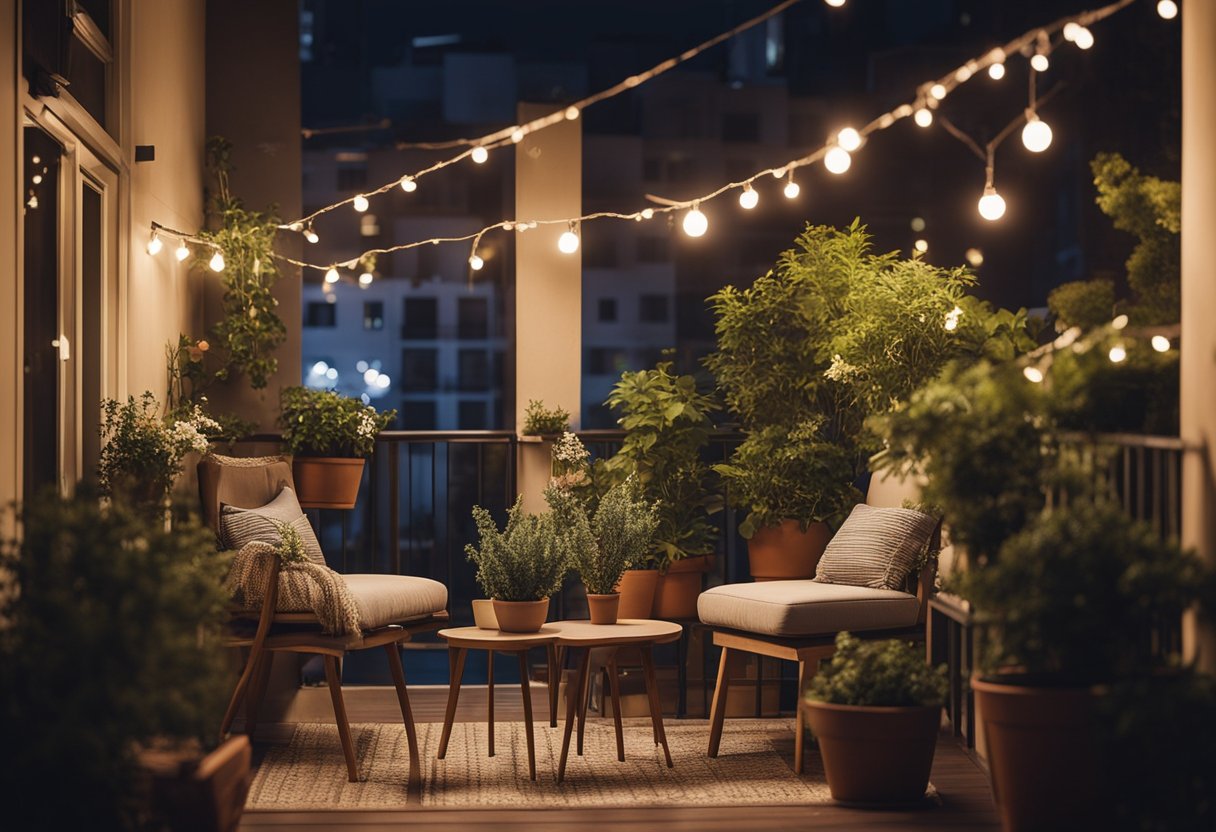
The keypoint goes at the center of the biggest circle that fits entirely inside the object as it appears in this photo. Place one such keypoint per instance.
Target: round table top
(478, 638)
(624, 631)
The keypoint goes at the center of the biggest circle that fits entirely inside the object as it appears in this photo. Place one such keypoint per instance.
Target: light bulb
(749, 198)
(791, 190)
(1033, 374)
(849, 139)
(1160, 342)
(1117, 353)
(571, 113)
(366, 279)
(1070, 31)
(408, 184)
(1084, 38)
(837, 160)
(311, 235)
(963, 74)
(923, 117)
(331, 275)
(1040, 62)
(951, 322)
(370, 375)
(1119, 322)
(835, 4)
(921, 245)
(647, 213)
(1036, 135)
(517, 135)
(360, 203)
(182, 251)
(991, 205)
(217, 262)
(975, 257)
(1168, 10)
(479, 155)
(568, 242)
(695, 223)
(938, 91)
(37, 179)
(320, 368)
(917, 224)
(155, 244)
(778, 173)
(475, 263)
(996, 72)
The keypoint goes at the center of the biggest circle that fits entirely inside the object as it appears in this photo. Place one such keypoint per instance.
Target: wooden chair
(250, 483)
(798, 620)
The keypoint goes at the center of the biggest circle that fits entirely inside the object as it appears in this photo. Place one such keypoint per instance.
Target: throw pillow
(876, 547)
(239, 526)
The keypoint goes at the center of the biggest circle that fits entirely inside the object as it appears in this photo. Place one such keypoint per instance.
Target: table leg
(456, 657)
(652, 692)
(571, 712)
(584, 693)
(490, 699)
(616, 707)
(551, 651)
(524, 686)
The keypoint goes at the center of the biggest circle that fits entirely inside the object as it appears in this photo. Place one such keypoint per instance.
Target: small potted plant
(542, 421)
(875, 710)
(519, 567)
(601, 547)
(329, 437)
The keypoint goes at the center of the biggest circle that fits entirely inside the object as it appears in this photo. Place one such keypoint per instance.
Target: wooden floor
(966, 799)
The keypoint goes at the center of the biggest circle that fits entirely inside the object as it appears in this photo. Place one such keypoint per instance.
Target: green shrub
(1083, 303)
(525, 562)
(539, 421)
(324, 423)
(888, 673)
(617, 536)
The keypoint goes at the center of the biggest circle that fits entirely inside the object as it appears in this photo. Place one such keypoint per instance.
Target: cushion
(391, 599)
(876, 547)
(805, 608)
(239, 526)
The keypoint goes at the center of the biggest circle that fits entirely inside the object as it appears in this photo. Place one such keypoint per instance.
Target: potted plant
(833, 334)
(541, 421)
(667, 425)
(520, 567)
(329, 437)
(875, 710)
(111, 648)
(602, 546)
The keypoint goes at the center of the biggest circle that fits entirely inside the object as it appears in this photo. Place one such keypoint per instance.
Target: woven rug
(754, 767)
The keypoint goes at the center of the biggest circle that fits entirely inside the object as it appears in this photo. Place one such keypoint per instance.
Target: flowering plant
(323, 423)
(143, 450)
(569, 461)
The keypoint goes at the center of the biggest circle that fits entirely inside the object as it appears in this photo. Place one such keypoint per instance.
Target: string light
(975, 257)
(837, 160)
(791, 188)
(182, 251)
(517, 136)
(991, 204)
(695, 222)
(921, 245)
(366, 279)
(479, 155)
(923, 116)
(331, 275)
(647, 213)
(408, 184)
(835, 4)
(360, 203)
(917, 224)
(568, 242)
(997, 71)
(311, 235)
(938, 91)
(1078, 35)
(1168, 10)
(476, 263)
(748, 198)
(1039, 62)
(1033, 374)
(217, 261)
(155, 244)
(951, 322)
(1117, 353)
(571, 113)
(849, 139)
(1036, 135)
(1160, 342)
(1119, 323)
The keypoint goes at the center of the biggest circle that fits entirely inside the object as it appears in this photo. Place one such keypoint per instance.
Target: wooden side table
(588, 637)
(462, 639)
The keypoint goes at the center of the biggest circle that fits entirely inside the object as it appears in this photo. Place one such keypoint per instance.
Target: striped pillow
(239, 526)
(876, 547)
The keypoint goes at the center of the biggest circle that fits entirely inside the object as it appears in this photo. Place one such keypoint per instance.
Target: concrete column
(548, 285)
(1198, 427)
(11, 375)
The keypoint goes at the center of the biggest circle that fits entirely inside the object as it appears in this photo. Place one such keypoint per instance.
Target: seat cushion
(876, 547)
(805, 608)
(239, 526)
(392, 599)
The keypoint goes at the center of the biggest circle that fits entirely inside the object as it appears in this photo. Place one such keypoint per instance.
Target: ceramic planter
(637, 588)
(675, 594)
(875, 755)
(1042, 755)
(483, 614)
(786, 552)
(603, 608)
(521, 616)
(327, 482)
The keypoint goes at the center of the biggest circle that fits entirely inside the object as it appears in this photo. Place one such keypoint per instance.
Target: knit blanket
(304, 586)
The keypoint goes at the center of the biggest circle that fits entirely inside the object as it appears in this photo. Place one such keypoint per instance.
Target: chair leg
(799, 725)
(414, 788)
(717, 714)
(656, 708)
(526, 688)
(334, 677)
(238, 693)
(257, 692)
(456, 657)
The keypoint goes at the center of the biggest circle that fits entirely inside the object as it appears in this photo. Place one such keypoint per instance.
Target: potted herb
(875, 710)
(541, 421)
(833, 334)
(520, 567)
(329, 436)
(142, 450)
(601, 547)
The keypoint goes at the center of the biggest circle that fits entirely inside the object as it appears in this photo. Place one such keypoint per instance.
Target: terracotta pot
(786, 552)
(636, 589)
(521, 616)
(1042, 755)
(873, 754)
(483, 614)
(675, 596)
(603, 608)
(327, 482)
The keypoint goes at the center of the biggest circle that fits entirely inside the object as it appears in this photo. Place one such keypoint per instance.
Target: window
(373, 314)
(417, 415)
(369, 226)
(474, 370)
(74, 47)
(599, 253)
(419, 370)
(473, 318)
(654, 249)
(471, 415)
(607, 310)
(352, 178)
(681, 170)
(320, 313)
(606, 361)
(421, 319)
(741, 127)
(652, 309)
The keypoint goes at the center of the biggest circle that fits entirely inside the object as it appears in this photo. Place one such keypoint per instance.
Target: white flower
(840, 370)
(570, 450)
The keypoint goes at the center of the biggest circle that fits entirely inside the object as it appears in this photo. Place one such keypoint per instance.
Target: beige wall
(10, 297)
